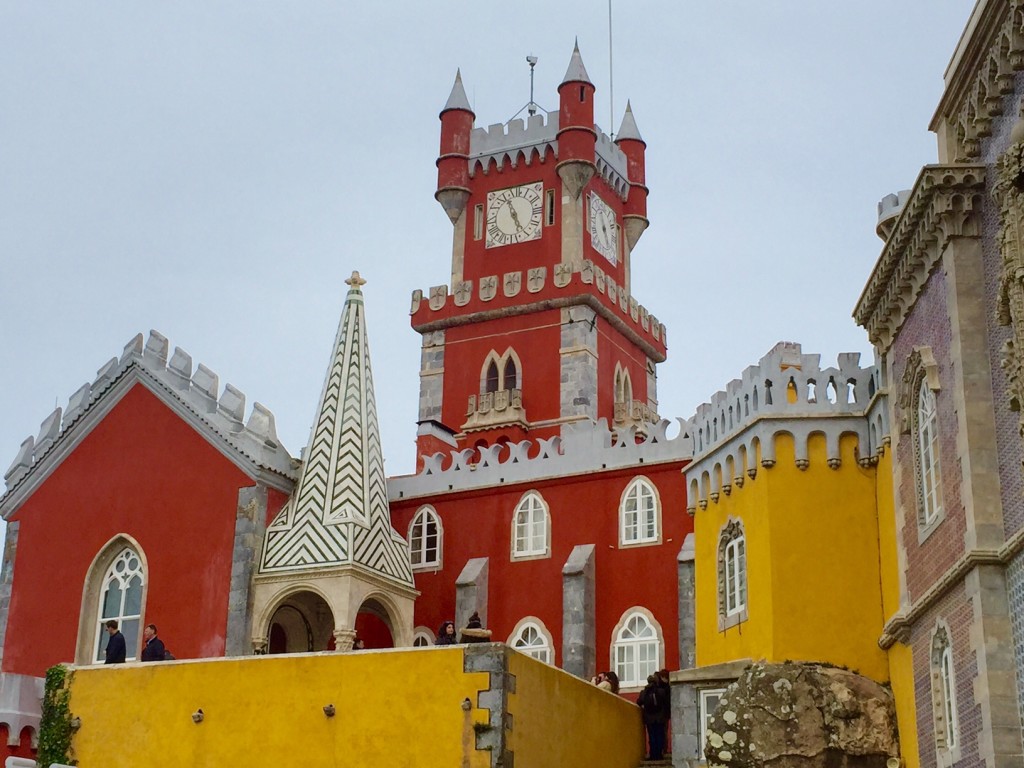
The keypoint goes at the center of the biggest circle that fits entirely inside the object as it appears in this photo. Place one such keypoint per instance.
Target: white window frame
(123, 576)
(704, 713)
(422, 634)
(625, 650)
(927, 444)
(946, 713)
(639, 526)
(423, 517)
(542, 651)
(531, 527)
(736, 575)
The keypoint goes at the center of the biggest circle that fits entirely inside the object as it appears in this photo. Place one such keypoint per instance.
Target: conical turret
(634, 148)
(453, 161)
(576, 135)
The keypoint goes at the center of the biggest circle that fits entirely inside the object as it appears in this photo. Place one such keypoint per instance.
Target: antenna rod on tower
(531, 107)
(611, 79)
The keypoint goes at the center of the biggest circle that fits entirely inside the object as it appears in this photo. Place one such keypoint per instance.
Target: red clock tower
(539, 329)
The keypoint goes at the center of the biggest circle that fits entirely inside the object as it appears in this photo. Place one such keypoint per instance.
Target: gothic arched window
(732, 575)
(532, 638)
(530, 530)
(640, 513)
(121, 600)
(926, 431)
(636, 648)
(425, 539)
(492, 383)
(944, 691)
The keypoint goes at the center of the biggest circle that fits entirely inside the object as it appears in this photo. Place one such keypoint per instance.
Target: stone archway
(374, 625)
(301, 622)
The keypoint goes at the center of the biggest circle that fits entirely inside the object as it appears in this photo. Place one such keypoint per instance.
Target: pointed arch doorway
(302, 622)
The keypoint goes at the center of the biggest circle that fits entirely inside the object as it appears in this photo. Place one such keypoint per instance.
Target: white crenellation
(786, 392)
(517, 142)
(225, 415)
(535, 280)
(583, 447)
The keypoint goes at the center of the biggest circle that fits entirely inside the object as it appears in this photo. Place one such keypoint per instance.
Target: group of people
(117, 648)
(473, 632)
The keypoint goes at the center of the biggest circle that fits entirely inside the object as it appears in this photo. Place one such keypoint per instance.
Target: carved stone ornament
(613, 288)
(623, 299)
(535, 279)
(921, 362)
(587, 272)
(645, 319)
(488, 287)
(417, 297)
(463, 292)
(634, 309)
(1009, 195)
(438, 296)
(512, 284)
(599, 280)
(563, 275)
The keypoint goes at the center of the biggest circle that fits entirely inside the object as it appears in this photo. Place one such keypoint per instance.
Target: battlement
(493, 294)
(198, 392)
(583, 448)
(519, 141)
(786, 392)
(889, 209)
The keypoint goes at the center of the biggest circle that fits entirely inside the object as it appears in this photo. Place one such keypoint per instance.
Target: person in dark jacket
(650, 703)
(154, 649)
(446, 634)
(117, 649)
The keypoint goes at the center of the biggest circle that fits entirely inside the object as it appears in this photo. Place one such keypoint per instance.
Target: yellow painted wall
(827, 593)
(397, 708)
(901, 662)
(561, 721)
(812, 565)
(753, 638)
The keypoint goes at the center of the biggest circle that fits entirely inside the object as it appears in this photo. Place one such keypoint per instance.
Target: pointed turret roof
(576, 73)
(457, 99)
(628, 129)
(338, 514)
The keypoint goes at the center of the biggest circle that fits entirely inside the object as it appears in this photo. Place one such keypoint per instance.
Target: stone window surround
(437, 563)
(921, 371)
(629, 613)
(528, 622)
(944, 695)
(531, 554)
(640, 541)
(92, 596)
(703, 694)
(731, 531)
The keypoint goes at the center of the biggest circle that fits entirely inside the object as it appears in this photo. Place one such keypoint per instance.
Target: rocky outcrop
(802, 716)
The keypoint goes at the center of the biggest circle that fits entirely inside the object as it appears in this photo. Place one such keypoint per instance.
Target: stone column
(579, 635)
(7, 579)
(471, 592)
(250, 522)
(686, 749)
(687, 605)
(343, 639)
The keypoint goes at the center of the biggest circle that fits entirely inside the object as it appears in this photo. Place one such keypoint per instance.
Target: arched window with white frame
(532, 638)
(120, 600)
(501, 372)
(425, 539)
(636, 647)
(732, 575)
(944, 704)
(623, 385)
(531, 530)
(927, 444)
(640, 513)
(422, 637)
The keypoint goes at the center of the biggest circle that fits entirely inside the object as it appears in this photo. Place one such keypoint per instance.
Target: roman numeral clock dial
(514, 214)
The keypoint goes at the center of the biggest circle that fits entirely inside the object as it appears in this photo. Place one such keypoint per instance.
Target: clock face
(514, 214)
(604, 233)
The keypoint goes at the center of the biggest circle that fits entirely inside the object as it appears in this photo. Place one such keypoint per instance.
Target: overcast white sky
(215, 170)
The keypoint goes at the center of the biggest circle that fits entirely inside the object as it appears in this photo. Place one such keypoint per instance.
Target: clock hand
(515, 216)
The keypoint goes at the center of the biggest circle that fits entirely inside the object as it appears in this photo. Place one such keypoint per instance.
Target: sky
(216, 170)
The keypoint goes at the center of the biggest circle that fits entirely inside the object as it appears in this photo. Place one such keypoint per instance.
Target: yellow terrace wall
(397, 708)
(394, 709)
(812, 564)
(559, 720)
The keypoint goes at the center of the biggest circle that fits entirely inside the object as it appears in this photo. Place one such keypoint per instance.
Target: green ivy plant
(55, 727)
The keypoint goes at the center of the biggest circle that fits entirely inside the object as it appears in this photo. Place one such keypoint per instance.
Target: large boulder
(802, 716)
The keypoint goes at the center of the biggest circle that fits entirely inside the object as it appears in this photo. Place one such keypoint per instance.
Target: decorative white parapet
(584, 447)
(518, 142)
(786, 392)
(222, 411)
(20, 702)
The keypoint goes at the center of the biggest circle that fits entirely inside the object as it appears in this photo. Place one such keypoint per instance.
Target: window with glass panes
(533, 641)
(425, 539)
(121, 600)
(531, 527)
(639, 513)
(636, 650)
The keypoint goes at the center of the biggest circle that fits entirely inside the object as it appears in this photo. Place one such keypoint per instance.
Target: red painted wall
(145, 472)
(583, 510)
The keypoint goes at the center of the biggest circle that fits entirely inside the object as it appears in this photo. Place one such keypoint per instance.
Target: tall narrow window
(530, 527)
(532, 638)
(732, 575)
(709, 698)
(121, 600)
(928, 454)
(639, 514)
(478, 222)
(425, 539)
(944, 691)
(511, 374)
(549, 207)
(636, 649)
(492, 382)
